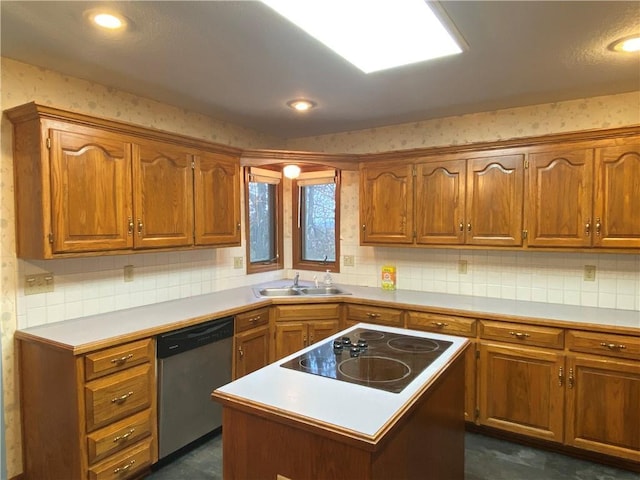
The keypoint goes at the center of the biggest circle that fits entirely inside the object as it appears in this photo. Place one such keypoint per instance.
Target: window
(263, 200)
(316, 221)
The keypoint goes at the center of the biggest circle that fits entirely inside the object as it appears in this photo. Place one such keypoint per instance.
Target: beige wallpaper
(85, 286)
(584, 114)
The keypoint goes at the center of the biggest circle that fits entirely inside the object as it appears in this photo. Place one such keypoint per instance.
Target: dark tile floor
(486, 458)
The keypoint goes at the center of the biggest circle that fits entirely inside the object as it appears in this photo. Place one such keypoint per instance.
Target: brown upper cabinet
(86, 186)
(565, 191)
(475, 202)
(585, 196)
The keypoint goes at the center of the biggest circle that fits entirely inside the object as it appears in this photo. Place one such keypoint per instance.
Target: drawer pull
(560, 376)
(519, 335)
(254, 319)
(124, 468)
(122, 398)
(440, 324)
(373, 315)
(125, 436)
(240, 351)
(121, 360)
(613, 346)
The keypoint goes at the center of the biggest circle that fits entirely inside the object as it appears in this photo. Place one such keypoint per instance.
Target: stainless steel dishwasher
(192, 363)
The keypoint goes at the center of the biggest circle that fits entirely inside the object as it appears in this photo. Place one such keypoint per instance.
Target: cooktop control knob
(346, 341)
(362, 344)
(354, 351)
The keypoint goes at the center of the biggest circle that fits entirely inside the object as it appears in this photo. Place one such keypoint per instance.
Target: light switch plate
(38, 283)
(128, 273)
(238, 262)
(462, 267)
(349, 261)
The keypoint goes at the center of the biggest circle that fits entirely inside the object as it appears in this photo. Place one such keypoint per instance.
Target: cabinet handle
(125, 436)
(587, 228)
(598, 226)
(304, 340)
(121, 398)
(461, 226)
(440, 324)
(469, 227)
(140, 227)
(364, 227)
(124, 468)
(613, 346)
(519, 335)
(240, 351)
(130, 226)
(373, 315)
(121, 360)
(570, 383)
(238, 227)
(560, 376)
(254, 319)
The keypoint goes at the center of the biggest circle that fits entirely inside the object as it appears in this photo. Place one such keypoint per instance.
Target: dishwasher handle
(172, 343)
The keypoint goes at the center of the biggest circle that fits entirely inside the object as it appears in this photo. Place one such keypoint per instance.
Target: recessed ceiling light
(301, 105)
(373, 35)
(109, 21)
(626, 45)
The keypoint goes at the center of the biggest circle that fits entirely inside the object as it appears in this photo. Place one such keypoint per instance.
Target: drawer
(286, 313)
(126, 464)
(118, 358)
(621, 346)
(368, 314)
(522, 333)
(118, 395)
(434, 322)
(254, 318)
(118, 436)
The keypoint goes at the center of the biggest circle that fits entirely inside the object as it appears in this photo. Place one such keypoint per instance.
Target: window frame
(278, 263)
(298, 263)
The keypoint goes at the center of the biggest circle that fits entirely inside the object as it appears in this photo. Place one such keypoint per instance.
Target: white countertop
(362, 410)
(83, 333)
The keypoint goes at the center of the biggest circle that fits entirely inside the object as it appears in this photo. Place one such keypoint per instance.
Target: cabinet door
(603, 405)
(617, 196)
(90, 191)
(321, 329)
(440, 202)
(386, 195)
(290, 337)
(559, 199)
(252, 350)
(163, 195)
(217, 199)
(494, 200)
(521, 390)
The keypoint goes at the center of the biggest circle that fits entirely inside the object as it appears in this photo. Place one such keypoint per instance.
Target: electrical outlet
(589, 273)
(38, 283)
(238, 262)
(462, 267)
(349, 261)
(128, 273)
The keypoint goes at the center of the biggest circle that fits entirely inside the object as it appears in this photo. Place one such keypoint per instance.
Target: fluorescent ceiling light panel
(372, 34)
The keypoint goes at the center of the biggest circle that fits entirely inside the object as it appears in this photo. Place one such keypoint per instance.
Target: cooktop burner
(384, 360)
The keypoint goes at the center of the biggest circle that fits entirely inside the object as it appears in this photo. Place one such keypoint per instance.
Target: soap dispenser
(328, 281)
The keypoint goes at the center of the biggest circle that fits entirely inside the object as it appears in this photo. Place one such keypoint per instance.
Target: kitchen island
(282, 423)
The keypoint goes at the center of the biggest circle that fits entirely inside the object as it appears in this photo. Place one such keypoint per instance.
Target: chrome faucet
(295, 280)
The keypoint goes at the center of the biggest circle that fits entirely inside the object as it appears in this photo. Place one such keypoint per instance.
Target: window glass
(263, 200)
(316, 223)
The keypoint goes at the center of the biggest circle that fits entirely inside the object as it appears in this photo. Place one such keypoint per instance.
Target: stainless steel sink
(322, 291)
(277, 291)
(299, 291)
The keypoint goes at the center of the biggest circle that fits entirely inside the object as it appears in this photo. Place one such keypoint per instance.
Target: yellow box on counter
(388, 277)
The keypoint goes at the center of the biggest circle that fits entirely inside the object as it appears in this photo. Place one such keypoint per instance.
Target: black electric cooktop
(372, 358)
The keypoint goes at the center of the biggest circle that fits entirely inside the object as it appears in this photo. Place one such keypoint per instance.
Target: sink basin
(322, 291)
(300, 291)
(277, 292)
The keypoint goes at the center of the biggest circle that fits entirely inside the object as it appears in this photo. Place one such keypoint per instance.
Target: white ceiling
(239, 61)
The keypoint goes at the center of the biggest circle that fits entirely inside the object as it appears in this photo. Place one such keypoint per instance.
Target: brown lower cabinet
(298, 326)
(251, 341)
